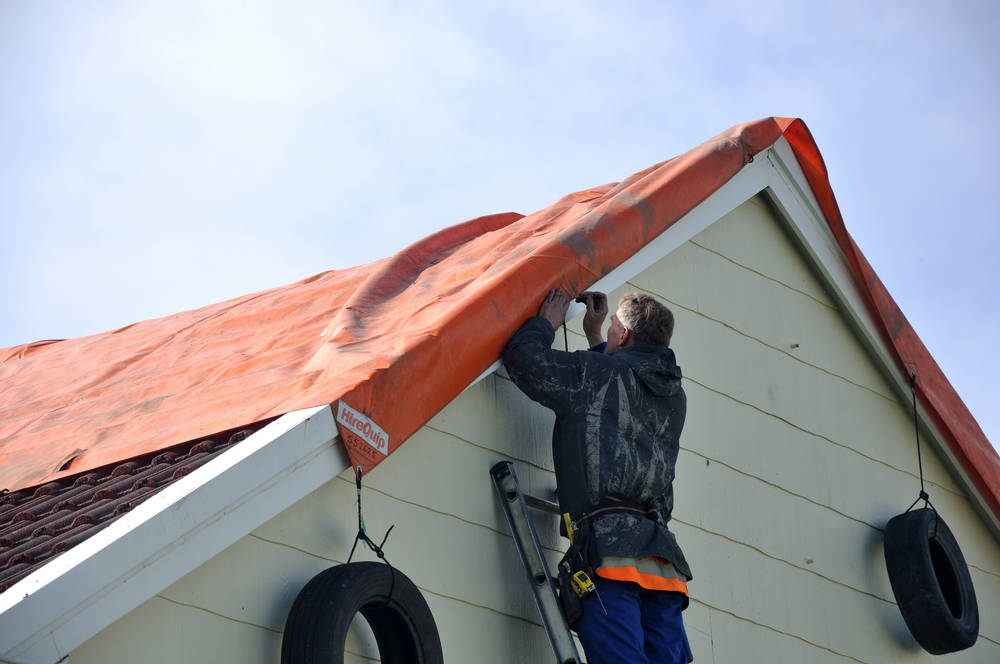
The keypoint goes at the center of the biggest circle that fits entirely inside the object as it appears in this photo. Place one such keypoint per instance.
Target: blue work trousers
(642, 626)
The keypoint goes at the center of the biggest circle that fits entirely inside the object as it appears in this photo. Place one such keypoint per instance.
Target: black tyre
(322, 613)
(931, 582)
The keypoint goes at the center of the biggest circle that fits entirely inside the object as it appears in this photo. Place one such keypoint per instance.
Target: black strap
(920, 463)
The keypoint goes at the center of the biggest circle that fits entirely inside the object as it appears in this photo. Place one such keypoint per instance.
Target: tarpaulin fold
(391, 343)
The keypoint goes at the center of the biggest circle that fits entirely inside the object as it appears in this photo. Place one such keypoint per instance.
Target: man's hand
(554, 307)
(593, 320)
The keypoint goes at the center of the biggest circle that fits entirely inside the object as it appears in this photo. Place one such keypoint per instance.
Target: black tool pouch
(572, 605)
(577, 557)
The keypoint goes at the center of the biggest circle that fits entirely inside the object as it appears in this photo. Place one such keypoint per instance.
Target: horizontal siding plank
(253, 581)
(495, 415)
(750, 373)
(750, 235)
(469, 493)
(476, 634)
(416, 474)
(163, 632)
(698, 627)
(764, 310)
(740, 640)
(465, 628)
(719, 430)
(743, 582)
(782, 526)
(439, 552)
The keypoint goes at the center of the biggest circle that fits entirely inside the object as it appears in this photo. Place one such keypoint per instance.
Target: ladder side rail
(512, 499)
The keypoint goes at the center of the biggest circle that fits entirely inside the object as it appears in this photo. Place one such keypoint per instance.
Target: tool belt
(606, 505)
(576, 568)
(616, 505)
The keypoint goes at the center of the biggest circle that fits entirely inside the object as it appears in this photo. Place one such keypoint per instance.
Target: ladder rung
(541, 504)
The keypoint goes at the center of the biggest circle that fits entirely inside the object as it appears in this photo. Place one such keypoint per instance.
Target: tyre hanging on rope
(397, 613)
(931, 582)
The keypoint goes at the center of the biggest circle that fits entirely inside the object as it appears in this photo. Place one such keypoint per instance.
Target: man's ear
(625, 337)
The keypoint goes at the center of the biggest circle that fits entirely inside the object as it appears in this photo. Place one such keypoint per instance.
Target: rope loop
(927, 502)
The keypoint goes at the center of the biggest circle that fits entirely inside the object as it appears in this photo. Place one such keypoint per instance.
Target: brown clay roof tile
(39, 523)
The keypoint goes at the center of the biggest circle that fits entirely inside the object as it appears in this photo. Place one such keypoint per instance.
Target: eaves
(67, 601)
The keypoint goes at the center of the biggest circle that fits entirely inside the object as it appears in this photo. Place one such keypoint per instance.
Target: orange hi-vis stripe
(648, 581)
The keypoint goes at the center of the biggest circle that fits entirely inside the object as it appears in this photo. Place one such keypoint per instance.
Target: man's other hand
(593, 320)
(554, 307)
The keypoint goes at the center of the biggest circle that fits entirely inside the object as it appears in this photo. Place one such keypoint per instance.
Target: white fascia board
(751, 180)
(789, 190)
(67, 601)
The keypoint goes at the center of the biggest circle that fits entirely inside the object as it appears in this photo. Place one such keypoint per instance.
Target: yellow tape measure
(582, 583)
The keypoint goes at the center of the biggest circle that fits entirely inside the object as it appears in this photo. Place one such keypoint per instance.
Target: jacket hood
(655, 366)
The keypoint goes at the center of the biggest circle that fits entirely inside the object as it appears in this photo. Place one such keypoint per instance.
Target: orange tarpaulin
(392, 342)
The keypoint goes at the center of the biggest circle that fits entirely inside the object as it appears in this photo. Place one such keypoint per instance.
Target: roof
(365, 337)
(39, 523)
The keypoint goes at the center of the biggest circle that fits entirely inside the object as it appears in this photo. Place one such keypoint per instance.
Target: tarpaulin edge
(952, 418)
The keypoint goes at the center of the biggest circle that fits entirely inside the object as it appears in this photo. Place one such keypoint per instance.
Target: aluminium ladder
(515, 505)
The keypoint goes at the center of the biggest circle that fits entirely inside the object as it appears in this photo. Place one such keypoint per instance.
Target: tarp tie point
(363, 535)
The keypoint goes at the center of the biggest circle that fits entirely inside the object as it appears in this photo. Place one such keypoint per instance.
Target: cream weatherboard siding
(795, 454)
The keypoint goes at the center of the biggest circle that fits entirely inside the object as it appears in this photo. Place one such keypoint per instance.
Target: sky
(158, 157)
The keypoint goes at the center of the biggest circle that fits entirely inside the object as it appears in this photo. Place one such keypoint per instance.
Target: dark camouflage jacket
(618, 424)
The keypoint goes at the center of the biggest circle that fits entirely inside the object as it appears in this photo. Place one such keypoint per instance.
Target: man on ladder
(619, 412)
